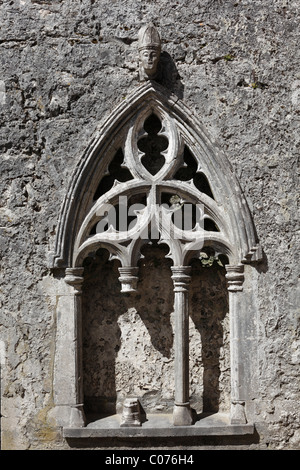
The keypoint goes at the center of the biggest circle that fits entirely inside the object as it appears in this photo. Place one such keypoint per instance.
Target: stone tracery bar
(182, 415)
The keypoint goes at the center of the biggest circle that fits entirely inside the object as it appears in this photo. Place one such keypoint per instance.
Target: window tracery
(153, 189)
(153, 173)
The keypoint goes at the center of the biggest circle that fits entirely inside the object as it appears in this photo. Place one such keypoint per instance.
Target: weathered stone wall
(64, 66)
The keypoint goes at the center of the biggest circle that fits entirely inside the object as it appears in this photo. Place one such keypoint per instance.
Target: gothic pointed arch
(152, 172)
(150, 149)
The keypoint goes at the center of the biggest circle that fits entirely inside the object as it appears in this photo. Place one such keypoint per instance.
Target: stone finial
(149, 51)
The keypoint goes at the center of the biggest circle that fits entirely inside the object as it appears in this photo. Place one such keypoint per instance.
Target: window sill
(159, 425)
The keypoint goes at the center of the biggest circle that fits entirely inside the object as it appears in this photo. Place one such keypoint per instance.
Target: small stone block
(131, 416)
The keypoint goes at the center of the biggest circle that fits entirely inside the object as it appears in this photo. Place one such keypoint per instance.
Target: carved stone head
(149, 49)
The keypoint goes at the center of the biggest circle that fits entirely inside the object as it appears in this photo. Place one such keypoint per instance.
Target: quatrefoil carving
(153, 145)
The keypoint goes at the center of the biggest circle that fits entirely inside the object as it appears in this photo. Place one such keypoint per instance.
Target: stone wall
(65, 65)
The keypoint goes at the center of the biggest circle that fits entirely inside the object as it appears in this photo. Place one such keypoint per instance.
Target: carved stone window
(152, 177)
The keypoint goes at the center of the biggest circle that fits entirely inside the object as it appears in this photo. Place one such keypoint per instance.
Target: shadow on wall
(128, 339)
(170, 77)
(208, 305)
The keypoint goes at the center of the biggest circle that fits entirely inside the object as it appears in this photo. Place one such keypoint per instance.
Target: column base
(182, 415)
(77, 416)
(237, 413)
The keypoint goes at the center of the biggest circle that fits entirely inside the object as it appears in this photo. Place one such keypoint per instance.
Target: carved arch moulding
(153, 159)
(121, 132)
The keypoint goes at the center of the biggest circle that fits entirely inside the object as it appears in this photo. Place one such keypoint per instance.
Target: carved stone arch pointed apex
(180, 127)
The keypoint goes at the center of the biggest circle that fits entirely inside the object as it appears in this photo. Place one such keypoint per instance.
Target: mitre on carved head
(149, 37)
(149, 48)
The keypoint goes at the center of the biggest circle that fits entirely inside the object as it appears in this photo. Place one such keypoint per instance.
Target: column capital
(235, 277)
(181, 277)
(74, 277)
(128, 278)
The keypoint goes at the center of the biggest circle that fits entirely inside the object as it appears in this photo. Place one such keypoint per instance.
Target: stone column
(74, 277)
(235, 278)
(182, 415)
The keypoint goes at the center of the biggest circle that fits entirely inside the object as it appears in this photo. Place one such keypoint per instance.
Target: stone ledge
(158, 426)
